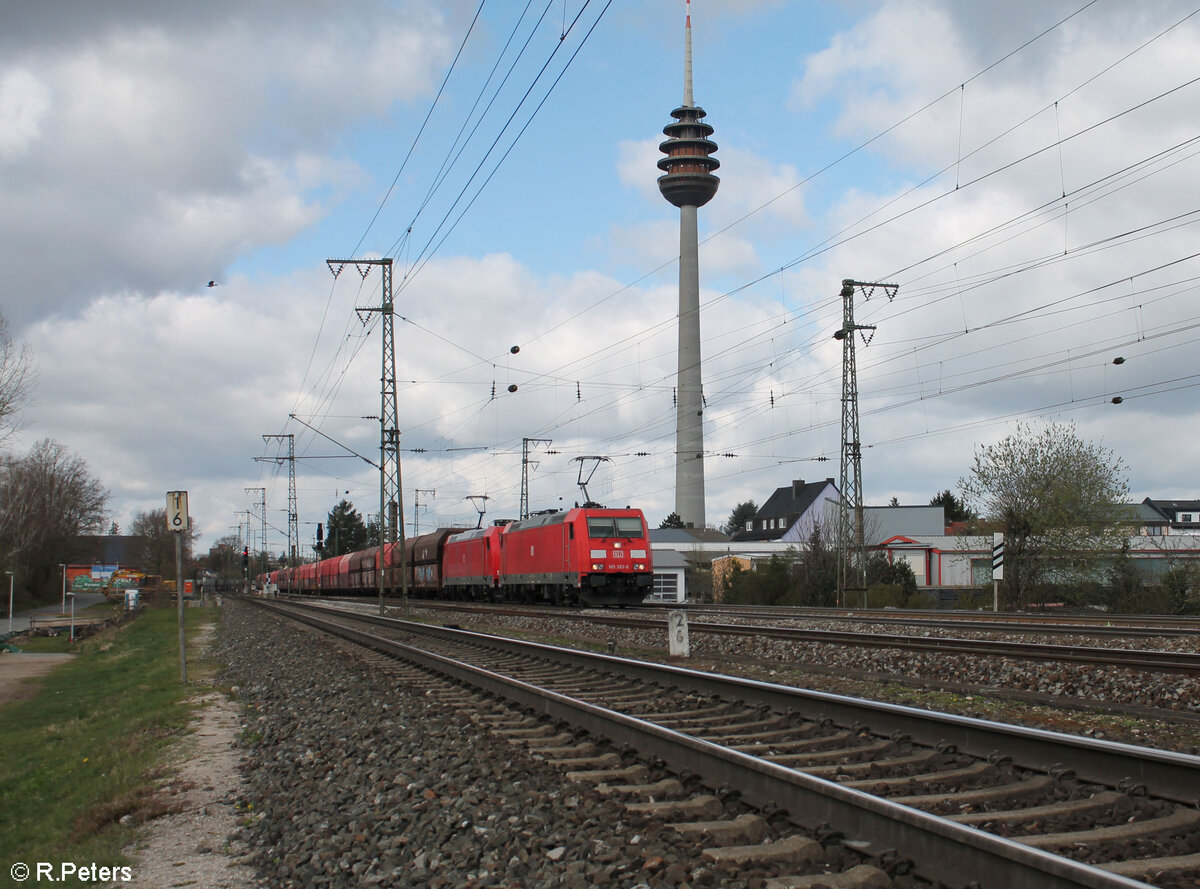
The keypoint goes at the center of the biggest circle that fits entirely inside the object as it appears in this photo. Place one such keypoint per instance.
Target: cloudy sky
(1025, 172)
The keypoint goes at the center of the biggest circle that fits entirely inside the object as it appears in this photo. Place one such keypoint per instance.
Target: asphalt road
(20, 620)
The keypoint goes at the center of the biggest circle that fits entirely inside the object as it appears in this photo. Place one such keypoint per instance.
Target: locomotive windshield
(614, 526)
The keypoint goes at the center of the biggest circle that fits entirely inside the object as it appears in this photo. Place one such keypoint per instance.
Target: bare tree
(16, 379)
(224, 557)
(156, 553)
(47, 499)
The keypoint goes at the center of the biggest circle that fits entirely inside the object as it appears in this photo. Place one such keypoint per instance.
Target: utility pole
(417, 492)
(852, 548)
(525, 461)
(293, 512)
(391, 507)
(262, 541)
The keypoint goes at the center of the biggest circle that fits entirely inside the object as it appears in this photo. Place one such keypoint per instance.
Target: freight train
(586, 555)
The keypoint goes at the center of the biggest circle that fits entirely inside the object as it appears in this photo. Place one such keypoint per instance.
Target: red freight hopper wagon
(591, 555)
(305, 579)
(471, 563)
(362, 569)
(333, 575)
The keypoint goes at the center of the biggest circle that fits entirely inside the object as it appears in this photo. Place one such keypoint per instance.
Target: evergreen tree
(955, 509)
(741, 514)
(345, 531)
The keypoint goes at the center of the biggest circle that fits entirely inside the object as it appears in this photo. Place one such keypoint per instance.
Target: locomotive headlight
(597, 566)
(639, 566)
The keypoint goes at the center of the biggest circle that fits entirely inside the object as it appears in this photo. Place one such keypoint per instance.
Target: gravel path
(192, 846)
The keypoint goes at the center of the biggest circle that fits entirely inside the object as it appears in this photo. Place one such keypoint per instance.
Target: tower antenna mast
(688, 183)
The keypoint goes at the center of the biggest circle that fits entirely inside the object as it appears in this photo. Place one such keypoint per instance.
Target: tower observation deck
(688, 183)
(689, 162)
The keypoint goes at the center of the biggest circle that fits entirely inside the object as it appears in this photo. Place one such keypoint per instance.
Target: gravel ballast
(356, 780)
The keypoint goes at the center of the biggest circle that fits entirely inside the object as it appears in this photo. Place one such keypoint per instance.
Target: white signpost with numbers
(177, 511)
(177, 523)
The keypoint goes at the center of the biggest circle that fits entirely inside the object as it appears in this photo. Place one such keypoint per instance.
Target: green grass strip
(85, 750)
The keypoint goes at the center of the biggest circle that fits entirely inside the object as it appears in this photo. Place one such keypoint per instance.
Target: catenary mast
(688, 183)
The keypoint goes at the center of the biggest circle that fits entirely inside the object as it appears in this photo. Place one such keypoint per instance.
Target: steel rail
(1140, 659)
(941, 850)
(993, 625)
(1160, 625)
(1164, 773)
(982, 622)
(1186, 663)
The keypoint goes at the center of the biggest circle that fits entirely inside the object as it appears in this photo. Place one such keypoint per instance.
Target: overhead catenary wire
(420, 130)
(555, 49)
(732, 374)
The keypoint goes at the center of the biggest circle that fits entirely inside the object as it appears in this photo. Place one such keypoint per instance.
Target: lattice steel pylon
(391, 506)
(262, 540)
(293, 512)
(525, 461)
(851, 536)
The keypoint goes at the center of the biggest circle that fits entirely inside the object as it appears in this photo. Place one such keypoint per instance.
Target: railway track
(961, 801)
(1122, 625)
(1166, 624)
(1183, 663)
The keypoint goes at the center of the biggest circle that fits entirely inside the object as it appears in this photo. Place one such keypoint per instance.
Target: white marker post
(997, 568)
(177, 523)
(678, 643)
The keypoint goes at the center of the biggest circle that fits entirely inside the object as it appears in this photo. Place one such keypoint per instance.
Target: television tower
(688, 183)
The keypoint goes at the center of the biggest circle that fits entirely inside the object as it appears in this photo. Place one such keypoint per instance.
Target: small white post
(677, 634)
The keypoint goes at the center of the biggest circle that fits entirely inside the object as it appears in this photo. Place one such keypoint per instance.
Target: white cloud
(24, 104)
(173, 147)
